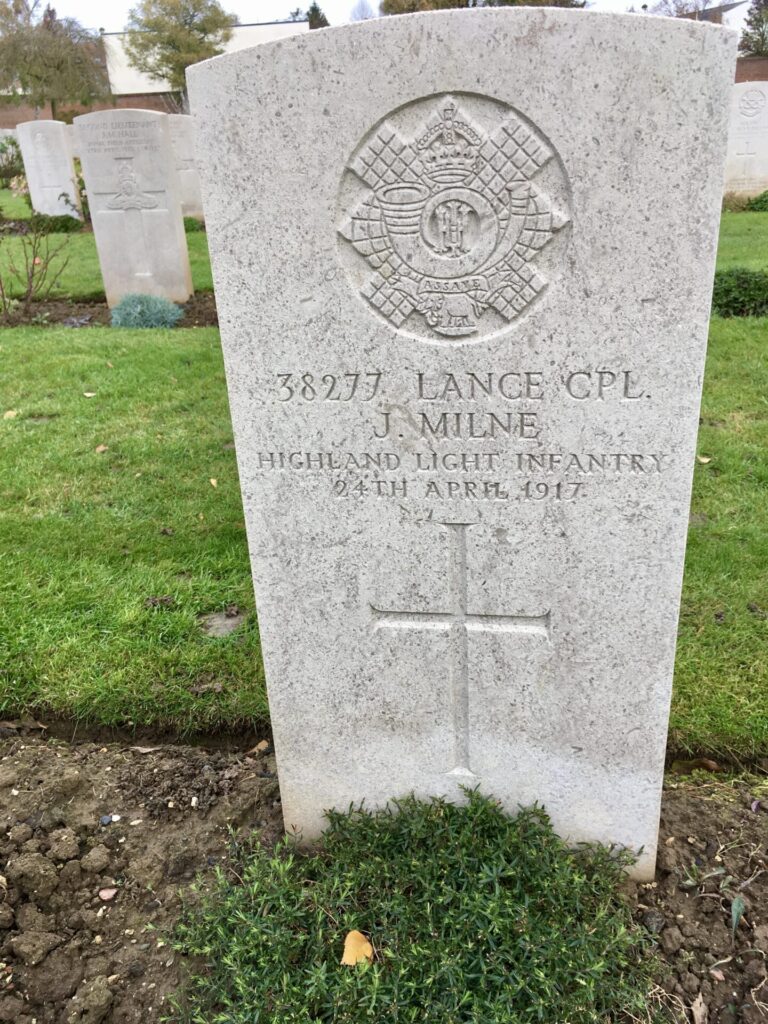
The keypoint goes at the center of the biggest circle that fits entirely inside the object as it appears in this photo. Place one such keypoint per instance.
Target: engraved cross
(131, 201)
(747, 151)
(459, 623)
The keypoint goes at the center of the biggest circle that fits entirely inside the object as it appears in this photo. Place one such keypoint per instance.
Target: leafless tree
(681, 8)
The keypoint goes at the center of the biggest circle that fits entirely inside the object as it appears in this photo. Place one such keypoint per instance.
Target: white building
(126, 81)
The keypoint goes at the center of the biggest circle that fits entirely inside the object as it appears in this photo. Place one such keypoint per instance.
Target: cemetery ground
(127, 620)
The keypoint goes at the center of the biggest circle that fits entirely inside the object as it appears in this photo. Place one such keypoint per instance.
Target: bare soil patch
(709, 902)
(199, 311)
(97, 845)
(100, 842)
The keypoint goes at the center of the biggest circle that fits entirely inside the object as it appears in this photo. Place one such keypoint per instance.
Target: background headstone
(49, 167)
(133, 192)
(74, 145)
(464, 321)
(746, 170)
(183, 138)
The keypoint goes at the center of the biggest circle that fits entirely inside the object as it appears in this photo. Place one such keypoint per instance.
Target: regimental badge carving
(451, 221)
(129, 195)
(751, 103)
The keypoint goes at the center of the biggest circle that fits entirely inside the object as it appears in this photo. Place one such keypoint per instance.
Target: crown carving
(449, 149)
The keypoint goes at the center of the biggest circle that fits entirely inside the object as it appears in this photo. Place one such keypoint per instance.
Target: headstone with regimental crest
(135, 202)
(464, 321)
(49, 168)
(746, 169)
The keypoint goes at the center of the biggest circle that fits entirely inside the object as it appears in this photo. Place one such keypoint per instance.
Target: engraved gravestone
(183, 139)
(49, 168)
(134, 195)
(746, 169)
(464, 322)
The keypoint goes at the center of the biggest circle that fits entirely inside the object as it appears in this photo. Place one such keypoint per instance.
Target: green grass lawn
(743, 241)
(86, 535)
(13, 207)
(88, 538)
(721, 681)
(81, 279)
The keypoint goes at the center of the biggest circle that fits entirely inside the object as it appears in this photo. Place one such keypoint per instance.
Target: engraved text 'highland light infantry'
(452, 221)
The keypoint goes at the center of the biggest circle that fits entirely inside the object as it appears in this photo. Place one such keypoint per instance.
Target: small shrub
(733, 202)
(192, 224)
(11, 164)
(60, 224)
(758, 204)
(33, 276)
(146, 311)
(474, 916)
(740, 292)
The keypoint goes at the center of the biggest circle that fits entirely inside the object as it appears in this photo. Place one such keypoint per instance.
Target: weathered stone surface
(746, 169)
(47, 152)
(183, 139)
(134, 196)
(464, 320)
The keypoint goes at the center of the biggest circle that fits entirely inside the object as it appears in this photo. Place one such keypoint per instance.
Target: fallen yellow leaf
(89, 394)
(11, 414)
(699, 1010)
(213, 482)
(357, 949)
(101, 448)
(703, 459)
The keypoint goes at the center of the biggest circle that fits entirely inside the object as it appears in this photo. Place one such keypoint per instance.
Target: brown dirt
(713, 852)
(99, 843)
(90, 900)
(199, 311)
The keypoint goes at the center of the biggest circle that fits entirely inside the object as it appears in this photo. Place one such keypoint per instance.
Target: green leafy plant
(11, 163)
(473, 916)
(193, 224)
(740, 292)
(84, 207)
(146, 311)
(59, 224)
(757, 204)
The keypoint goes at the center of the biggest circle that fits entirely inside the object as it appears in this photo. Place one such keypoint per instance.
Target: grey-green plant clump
(146, 311)
(474, 917)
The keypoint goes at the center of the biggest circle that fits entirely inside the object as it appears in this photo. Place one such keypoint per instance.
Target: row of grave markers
(464, 326)
(141, 181)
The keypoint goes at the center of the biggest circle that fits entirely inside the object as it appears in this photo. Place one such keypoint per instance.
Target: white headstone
(183, 137)
(133, 192)
(74, 144)
(464, 320)
(49, 168)
(746, 170)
